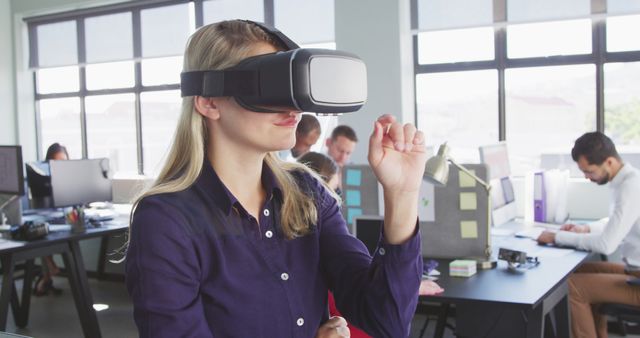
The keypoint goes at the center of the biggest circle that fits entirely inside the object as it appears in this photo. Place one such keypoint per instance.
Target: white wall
(7, 109)
(379, 31)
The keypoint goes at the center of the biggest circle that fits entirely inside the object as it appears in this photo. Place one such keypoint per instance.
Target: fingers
(567, 227)
(337, 327)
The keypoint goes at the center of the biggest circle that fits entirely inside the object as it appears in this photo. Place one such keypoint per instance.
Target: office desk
(500, 303)
(67, 244)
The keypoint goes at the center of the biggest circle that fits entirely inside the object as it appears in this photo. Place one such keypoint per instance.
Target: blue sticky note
(354, 177)
(353, 212)
(353, 198)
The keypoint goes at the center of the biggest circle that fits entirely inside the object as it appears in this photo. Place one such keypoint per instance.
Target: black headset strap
(275, 33)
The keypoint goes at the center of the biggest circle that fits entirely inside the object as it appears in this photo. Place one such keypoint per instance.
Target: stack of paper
(462, 268)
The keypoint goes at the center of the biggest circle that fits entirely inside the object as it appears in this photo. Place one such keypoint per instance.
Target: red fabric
(333, 311)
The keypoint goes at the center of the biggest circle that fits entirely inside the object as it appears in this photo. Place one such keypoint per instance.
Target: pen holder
(76, 218)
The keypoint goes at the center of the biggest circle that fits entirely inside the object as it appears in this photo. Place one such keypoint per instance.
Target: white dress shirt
(623, 226)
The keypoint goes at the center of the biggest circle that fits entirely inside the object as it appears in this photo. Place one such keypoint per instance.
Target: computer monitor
(79, 182)
(11, 174)
(503, 203)
(368, 229)
(496, 156)
(39, 182)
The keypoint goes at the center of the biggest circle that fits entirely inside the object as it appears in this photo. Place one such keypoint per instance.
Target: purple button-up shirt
(199, 265)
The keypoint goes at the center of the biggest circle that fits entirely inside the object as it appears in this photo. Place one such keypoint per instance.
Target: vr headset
(310, 80)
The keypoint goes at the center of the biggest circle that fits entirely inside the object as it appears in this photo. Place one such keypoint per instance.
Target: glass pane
(549, 38)
(323, 45)
(460, 108)
(109, 38)
(618, 37)
(111, 130)
(58, 80)
(110, 75)
(472, 44)
(60, 122)
(160, 113)
(57, 44)
(544, 10)
(547, 109)
(444, 14)
(165, 29)
(622, 105)
(219, 10)
(311, 23)
(161, 71)
(622, 6)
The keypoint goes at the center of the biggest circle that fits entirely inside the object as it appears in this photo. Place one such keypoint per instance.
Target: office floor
(55, 316)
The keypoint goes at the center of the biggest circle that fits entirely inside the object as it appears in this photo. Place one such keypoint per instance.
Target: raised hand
(397, 155)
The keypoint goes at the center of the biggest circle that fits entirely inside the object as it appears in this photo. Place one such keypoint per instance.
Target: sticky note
(354, 177)
(469, 229)
(353, 198)
(351, 213)
(466, 181)
(468, 201)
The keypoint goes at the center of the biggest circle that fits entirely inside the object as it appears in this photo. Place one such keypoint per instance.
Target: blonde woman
(233, 242)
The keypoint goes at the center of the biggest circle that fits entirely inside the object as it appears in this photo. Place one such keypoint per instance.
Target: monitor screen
(368, 229)
(11, 174)
(78, 182)
(496, 157)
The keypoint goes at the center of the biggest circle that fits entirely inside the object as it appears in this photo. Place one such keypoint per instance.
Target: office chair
(438, 311)
(627, 316)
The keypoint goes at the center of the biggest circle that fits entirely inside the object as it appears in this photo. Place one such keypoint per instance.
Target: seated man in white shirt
(594, 283)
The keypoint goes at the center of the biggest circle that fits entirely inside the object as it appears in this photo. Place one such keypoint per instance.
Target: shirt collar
(621, 175)
(212, 185)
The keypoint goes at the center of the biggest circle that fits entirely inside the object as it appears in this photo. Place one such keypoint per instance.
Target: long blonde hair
(219, 46)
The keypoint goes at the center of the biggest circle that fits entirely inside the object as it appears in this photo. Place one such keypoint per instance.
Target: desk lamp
(437, 173)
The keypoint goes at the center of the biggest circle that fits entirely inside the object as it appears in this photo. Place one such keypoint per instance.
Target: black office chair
(627, 317)
(439, 312)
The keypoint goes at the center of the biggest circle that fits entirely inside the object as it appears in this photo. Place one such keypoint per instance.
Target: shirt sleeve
(163, 274)
(376, 294)
(624, 215)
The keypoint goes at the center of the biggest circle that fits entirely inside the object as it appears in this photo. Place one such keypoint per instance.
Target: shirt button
(266, 212)
(300, 321)
(269, 234)
(284, 276)
(381, 251)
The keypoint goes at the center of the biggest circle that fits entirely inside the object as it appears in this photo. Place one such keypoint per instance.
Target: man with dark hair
(595, 283)
(341, 144)
(307, 134)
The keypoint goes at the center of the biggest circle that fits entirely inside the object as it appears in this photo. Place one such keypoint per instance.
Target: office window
(57, 44)
(459, 108)
(622, 104)
(311, 23)
(160, 113)
(547, 10)
(547, 109)
(219, 10)
(165, 29)
(111, 130)
(471, 44)
(109, 38)
(452, 14)
(161, 71)
(60, 122)
(110, 75)
(619, 36)
(58, 80)
(549, 38)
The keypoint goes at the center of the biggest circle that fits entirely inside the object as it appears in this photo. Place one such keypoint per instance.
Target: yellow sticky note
(469, 229)
(466, 181)
(468, 201)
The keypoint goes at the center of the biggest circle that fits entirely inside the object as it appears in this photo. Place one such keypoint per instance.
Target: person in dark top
(44, 283)
(231, 241)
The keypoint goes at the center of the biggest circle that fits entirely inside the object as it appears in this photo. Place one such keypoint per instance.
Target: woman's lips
(288, 122)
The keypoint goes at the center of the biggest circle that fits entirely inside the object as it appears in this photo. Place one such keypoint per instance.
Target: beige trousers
(594, 283)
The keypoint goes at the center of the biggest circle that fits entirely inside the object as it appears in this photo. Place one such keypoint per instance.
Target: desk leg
(104, 243)
(21, 308)
(6, 290)
(81, 291)
(535, 323)
(563, 318)
(442, 320)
